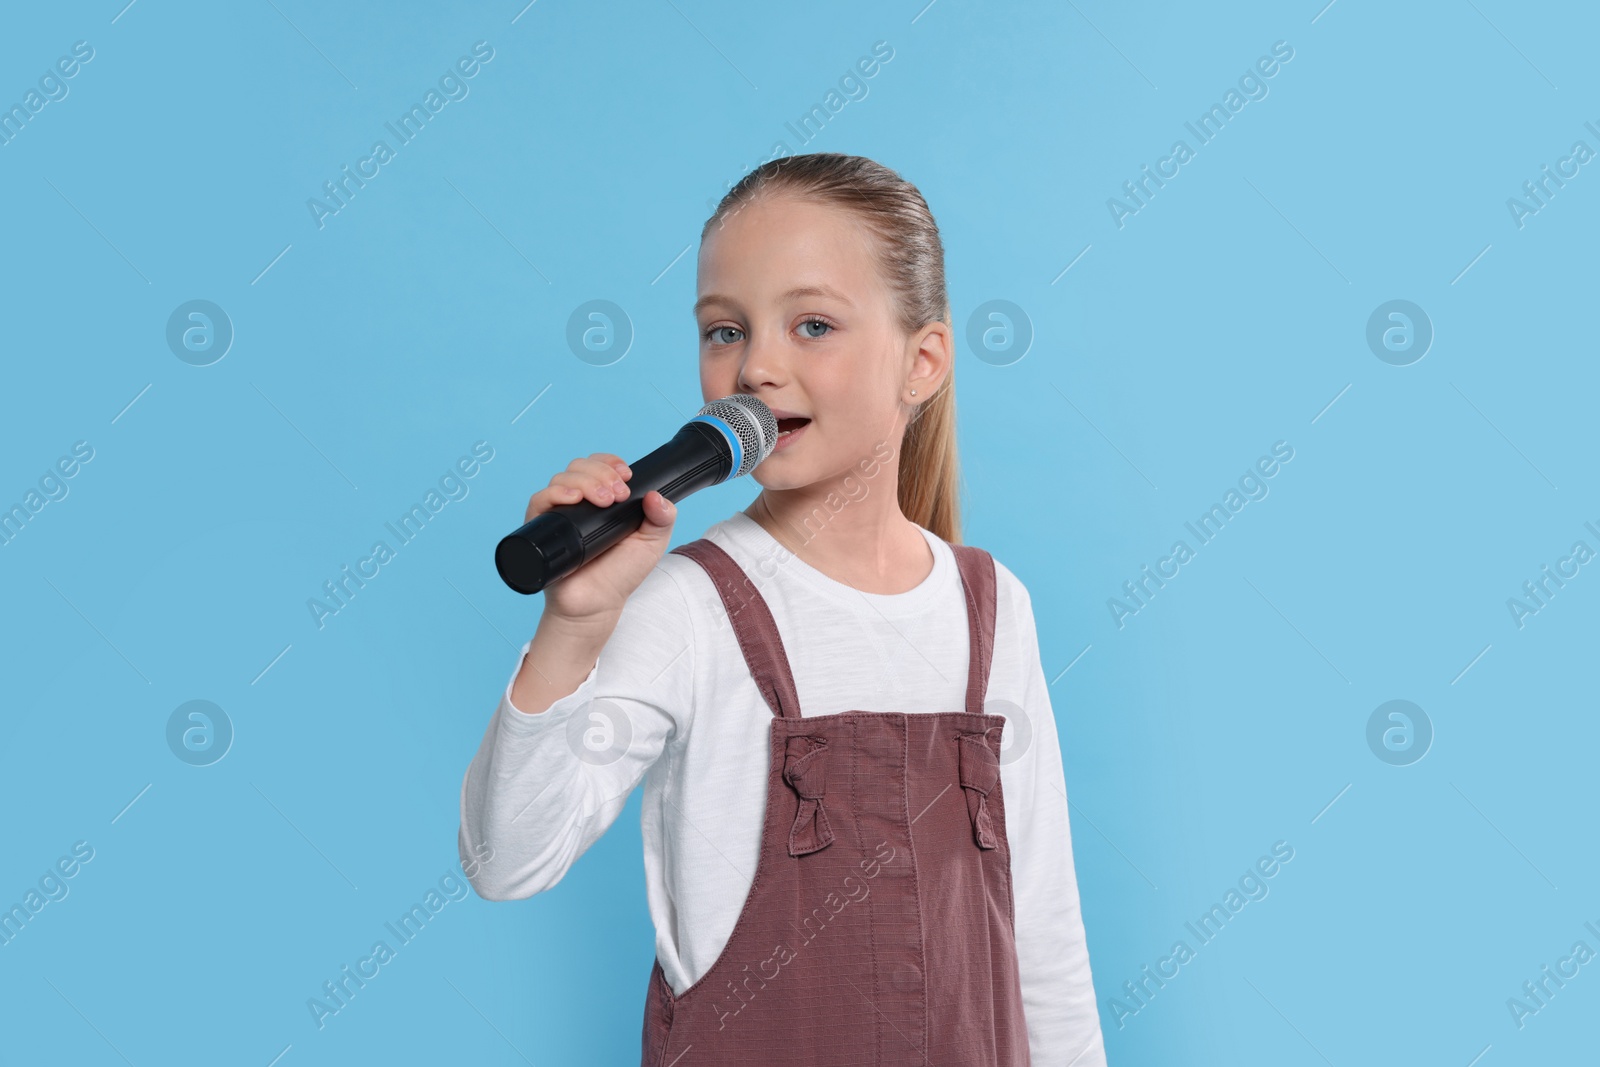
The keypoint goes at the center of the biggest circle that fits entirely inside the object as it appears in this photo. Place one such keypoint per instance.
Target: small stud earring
(913, 392)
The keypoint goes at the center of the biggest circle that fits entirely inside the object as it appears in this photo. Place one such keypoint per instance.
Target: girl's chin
(769, 479)
(776, 476)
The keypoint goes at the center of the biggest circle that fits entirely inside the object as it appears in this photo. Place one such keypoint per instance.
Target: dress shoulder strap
(978, 584)
(753, 626)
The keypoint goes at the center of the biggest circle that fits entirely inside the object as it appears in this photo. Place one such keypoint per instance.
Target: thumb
(659, 515)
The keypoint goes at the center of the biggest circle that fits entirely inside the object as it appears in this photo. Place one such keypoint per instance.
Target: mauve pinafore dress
(878, 929)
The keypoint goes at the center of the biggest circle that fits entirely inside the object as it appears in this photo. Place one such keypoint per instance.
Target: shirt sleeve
(543, 787)
(1058, 996)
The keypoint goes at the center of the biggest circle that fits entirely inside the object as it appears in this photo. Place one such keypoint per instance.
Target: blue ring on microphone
(733, 440)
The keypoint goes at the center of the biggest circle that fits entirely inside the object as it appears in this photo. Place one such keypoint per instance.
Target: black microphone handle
(559, 541)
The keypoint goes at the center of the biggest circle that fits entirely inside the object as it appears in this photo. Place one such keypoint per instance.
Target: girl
(844, 863)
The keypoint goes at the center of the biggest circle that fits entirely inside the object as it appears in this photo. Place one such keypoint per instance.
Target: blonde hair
(911, 259)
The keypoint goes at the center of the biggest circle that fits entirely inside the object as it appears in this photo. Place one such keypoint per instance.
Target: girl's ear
(931, 355)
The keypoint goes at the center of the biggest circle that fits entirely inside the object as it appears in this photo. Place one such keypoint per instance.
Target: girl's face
(792, 310)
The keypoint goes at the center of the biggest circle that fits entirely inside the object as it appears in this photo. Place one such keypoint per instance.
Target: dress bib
(878, 929)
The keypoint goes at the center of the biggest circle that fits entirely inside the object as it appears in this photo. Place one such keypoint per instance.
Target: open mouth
(788, 426)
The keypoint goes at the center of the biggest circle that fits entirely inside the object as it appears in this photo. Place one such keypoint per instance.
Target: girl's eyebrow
(801, 290)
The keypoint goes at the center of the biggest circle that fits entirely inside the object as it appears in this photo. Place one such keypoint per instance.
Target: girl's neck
(868, 544)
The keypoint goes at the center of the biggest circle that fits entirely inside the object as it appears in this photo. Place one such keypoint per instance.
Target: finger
(598, 487)
(570, 480)
(658, 509)
(602, 472)
(614, 461)
(549, 497)
(614, 467)
(598, 469)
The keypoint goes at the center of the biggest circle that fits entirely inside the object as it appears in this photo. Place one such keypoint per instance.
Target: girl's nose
(763, 363)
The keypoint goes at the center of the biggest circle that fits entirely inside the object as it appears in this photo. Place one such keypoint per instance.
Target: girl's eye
(716, 334)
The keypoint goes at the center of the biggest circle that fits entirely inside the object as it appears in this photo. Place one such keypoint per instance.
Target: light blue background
(1228, 314)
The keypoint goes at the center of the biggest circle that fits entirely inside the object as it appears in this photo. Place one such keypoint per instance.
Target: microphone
(726, 439)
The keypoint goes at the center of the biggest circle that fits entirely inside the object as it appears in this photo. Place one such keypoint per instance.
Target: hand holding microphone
(583, 514)
(580, 517)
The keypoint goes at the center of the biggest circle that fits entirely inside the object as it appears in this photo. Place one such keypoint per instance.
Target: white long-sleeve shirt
(670, 700)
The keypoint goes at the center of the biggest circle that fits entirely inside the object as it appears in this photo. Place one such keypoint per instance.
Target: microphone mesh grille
(752, 422)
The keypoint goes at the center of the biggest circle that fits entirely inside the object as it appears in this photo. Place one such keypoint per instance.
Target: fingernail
(620, 488)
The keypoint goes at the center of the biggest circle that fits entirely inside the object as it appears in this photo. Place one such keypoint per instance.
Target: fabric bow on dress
(806, 769)
(979, 771)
